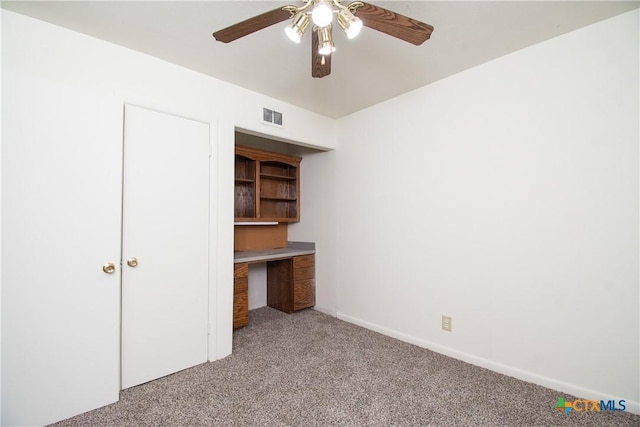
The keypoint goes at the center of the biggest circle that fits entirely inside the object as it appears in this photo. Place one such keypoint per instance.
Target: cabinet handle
(132, 262)
(109, 268)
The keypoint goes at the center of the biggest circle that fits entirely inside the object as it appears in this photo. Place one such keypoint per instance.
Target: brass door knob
(109, 268)
(132, 262)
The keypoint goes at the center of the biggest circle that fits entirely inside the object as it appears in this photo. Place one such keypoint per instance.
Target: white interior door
(165, 228)
(61, 204)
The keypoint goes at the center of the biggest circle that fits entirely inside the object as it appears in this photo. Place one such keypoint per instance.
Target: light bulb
(322, 14)
(326, 49)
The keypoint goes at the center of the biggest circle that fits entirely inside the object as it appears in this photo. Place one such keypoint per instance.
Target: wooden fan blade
(394, 24)
(318, 69)
(251, 25)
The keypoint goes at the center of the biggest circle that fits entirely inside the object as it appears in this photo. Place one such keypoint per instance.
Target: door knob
(132, 262)
(109, 268)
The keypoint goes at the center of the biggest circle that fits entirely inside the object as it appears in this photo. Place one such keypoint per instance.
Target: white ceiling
(367, 70)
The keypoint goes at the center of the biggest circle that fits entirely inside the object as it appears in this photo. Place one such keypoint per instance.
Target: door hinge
(210, 149)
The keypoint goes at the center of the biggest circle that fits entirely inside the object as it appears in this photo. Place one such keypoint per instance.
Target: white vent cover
(272, 117)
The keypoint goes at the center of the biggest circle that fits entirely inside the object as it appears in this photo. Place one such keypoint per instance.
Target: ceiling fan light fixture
(319, 14)
(325, 41)
(349, 23)
(299, 24)
(322, 13)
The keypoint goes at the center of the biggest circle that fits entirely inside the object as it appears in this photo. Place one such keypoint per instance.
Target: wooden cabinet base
(291, 286)
(291, 283)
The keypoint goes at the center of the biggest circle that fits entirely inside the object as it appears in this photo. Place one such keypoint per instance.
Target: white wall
(506, 197)
(318, 222)
(61, 58)
(257, 285)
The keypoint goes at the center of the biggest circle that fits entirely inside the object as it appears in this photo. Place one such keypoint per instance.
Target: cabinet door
(165, 227)
(61, 203)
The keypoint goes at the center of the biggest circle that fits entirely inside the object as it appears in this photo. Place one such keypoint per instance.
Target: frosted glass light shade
(354, 29)
(325, 41)
(293, 34)
(299, 24)
(349, 23)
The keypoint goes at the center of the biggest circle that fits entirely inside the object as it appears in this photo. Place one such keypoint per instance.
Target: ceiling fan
(351, 19)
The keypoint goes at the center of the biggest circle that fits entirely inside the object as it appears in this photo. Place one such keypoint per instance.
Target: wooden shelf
(282, 177)
(245, 187)
(267, 186)
(285, 199)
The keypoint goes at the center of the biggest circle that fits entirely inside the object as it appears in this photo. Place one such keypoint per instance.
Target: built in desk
(290, 279)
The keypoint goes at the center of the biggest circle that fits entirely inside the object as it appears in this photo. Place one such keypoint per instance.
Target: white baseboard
(330, 312)
(562, 387)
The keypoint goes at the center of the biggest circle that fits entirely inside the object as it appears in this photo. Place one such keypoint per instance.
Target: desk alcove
(267, 200)
(290, 279)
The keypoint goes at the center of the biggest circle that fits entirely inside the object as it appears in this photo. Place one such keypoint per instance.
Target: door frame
(221, 177)
(142, 126)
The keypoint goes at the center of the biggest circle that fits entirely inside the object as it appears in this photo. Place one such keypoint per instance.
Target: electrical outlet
(446, 323)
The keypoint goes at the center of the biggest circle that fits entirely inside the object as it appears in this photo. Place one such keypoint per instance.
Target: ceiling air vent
(272, 117)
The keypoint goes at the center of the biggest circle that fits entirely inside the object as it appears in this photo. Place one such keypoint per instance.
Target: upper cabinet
(267, 186)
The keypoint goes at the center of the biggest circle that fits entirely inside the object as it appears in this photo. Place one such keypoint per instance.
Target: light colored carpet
(310, 369)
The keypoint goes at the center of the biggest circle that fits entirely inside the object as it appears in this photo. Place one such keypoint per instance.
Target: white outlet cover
(446, 323)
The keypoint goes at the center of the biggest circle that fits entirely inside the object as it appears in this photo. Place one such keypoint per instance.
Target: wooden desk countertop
(292, 249)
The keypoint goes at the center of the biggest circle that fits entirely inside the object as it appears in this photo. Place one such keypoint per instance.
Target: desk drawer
(240, 302)
(241, 269)
(240, 311)
(304, 273)
(304, 261)
(304, 294)
(240, 285)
